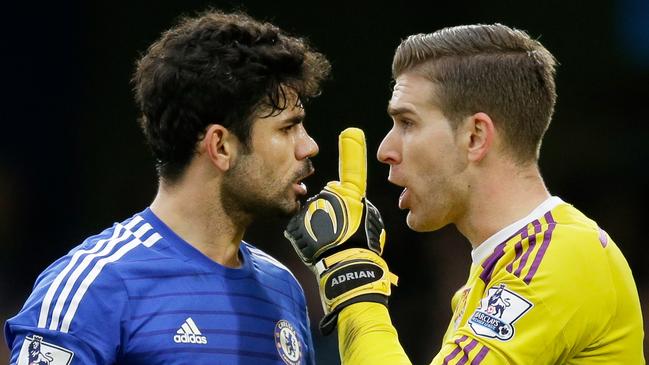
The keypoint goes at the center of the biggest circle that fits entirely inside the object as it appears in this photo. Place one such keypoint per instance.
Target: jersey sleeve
(366, 336)
(511, 325)
(29, 345)
(546, 312)
(69, 321)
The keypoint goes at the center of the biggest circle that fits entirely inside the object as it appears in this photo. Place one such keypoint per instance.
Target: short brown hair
(487, 68)
(218, 68)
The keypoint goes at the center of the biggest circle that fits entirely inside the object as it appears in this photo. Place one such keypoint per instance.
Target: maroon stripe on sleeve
(481, 355)
(518, 248)
(452, 355)
(547, 237)
(466, 351)
(490, 263)
(530, 248)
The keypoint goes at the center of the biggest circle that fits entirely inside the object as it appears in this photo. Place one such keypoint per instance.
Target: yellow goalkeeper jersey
(551, 288)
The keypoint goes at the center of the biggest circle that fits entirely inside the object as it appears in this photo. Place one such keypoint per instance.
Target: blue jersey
(139, 294)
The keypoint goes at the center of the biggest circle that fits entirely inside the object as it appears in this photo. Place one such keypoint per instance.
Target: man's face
(424, 156)
(267, 179)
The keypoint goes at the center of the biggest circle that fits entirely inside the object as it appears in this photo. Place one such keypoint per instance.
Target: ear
(219, 146)
(481, 132)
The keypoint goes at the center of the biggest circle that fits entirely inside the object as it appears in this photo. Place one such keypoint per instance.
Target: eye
(405, 123)
(288, 128)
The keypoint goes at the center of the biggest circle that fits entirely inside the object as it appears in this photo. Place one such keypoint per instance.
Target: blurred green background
(73, 161)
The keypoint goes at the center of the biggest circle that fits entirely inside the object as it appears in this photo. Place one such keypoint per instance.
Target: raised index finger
(352, 164)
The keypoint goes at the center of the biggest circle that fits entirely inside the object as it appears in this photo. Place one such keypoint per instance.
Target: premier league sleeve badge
(498, 311)
(35, 351)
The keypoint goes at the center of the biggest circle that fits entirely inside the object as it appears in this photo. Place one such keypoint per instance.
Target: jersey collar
(486, 248)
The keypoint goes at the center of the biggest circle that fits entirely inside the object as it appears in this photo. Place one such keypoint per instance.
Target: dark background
(73, 161)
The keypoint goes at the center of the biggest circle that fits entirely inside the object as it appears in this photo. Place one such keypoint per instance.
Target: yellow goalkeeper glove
(340, 235)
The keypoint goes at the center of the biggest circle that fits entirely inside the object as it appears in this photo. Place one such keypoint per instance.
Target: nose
(305, 147)
(389, 151)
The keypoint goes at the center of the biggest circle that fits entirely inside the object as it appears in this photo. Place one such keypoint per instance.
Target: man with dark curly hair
(221, 99)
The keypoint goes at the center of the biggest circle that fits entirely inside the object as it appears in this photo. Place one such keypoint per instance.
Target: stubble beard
(440, 206)
(248, 194)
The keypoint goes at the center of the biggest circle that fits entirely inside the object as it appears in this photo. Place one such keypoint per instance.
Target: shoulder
(269, 265)
(77, 284)
(577, 245)
(559, 258)
(83, 295)
(120, 241)
(558, 246)
(556, 271)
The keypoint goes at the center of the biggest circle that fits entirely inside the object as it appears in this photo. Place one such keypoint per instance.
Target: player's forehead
(411, 93)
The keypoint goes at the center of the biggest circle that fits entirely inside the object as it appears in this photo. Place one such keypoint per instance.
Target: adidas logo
(189, 333)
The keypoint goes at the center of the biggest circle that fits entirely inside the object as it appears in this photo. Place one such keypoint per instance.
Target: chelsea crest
(288, 343)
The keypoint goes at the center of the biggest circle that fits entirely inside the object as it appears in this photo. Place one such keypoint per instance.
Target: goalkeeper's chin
(418, 223)
(411, 221)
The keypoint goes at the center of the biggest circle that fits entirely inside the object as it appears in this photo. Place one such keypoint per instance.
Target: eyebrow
(297, 119)
(399, 110)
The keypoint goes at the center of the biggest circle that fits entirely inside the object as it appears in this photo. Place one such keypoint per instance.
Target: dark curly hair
(218, 68)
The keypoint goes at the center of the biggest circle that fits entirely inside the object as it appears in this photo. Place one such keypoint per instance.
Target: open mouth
(403, 198)
(300, 187)
(405, 193)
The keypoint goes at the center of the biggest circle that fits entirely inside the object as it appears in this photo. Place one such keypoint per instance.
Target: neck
(500, 199)
(199, 219)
